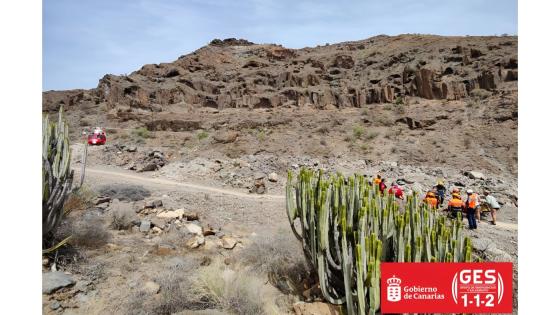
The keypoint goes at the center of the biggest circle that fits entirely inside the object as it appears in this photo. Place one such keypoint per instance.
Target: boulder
(101, 200)
(193, 229)
(191, 216)
(145, 225)
(226, 136)
(273, 177)
(158, 203)
(228, 242)
(160, 222)
(53, 281)
(176, 214)
(258, 187)
(196, 241)
(316, 308)
(475, 175)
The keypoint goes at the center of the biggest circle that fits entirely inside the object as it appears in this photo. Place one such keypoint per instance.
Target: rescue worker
(455, 205)
(382, 186)
(440, 191)
(472, 204)
(431, 199)
(493, 204)
(397, 191)
(377, 180)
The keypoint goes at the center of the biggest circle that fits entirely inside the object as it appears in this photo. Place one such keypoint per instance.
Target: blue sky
(83, 40)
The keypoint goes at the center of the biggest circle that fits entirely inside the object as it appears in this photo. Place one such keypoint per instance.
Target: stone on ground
(53, 281)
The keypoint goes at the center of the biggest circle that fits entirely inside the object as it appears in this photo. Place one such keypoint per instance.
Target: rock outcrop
(236, 73)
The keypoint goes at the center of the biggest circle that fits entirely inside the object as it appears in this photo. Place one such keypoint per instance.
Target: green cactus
(347, 229)
(57, 175)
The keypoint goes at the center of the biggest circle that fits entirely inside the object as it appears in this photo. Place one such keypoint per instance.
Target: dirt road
(110, 174)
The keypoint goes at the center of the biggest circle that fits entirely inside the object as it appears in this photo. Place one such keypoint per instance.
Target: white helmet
(469, 191)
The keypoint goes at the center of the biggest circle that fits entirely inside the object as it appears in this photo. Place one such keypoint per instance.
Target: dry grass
(234, 291)
(187, 286)
(89, 232)
(80, 199)
(280, 258)
(121, 219)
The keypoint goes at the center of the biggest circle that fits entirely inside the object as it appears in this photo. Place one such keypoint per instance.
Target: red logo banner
(446, 287)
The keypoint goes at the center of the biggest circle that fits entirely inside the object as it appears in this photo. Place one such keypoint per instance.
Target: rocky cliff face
(235, 73)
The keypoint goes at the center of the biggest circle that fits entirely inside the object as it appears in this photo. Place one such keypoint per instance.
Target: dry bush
(372, 135)
(280, 257)
(121, 219)
(80, 199)
(480, 94)
(175, 294)
(89, 232)
(383, 120)
(234, 291)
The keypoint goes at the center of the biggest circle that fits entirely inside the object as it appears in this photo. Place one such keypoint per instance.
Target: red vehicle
(97, 137)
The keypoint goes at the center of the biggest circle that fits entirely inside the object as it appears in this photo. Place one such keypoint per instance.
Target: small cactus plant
(57, 175)
(347, 228)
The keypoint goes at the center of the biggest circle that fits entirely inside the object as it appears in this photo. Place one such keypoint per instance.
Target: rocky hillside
(417, 99)
(237, 73)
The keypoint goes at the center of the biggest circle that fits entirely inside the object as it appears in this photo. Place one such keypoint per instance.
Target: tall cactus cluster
(347, 229)
(57, 175)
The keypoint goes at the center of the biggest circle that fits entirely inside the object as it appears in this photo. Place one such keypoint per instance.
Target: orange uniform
(456, 203)
(472, 201)
(431, 200)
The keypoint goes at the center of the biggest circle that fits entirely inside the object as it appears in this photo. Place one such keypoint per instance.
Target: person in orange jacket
(377, 180)
(472, 205)
(455, 205)
(431, 199)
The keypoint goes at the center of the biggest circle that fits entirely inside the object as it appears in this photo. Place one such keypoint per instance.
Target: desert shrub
(372, 135)
(121, 219)
(89, 232)
(80, 199)
(399, 109)
(202, 135)
(387, 107)
(399, 101)
(175, 287)
(142, 133)
(234, 291)
(261, 135)
(383, 120)
(279, 257)
(480, 94)
(358, 131)
(175, 295)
